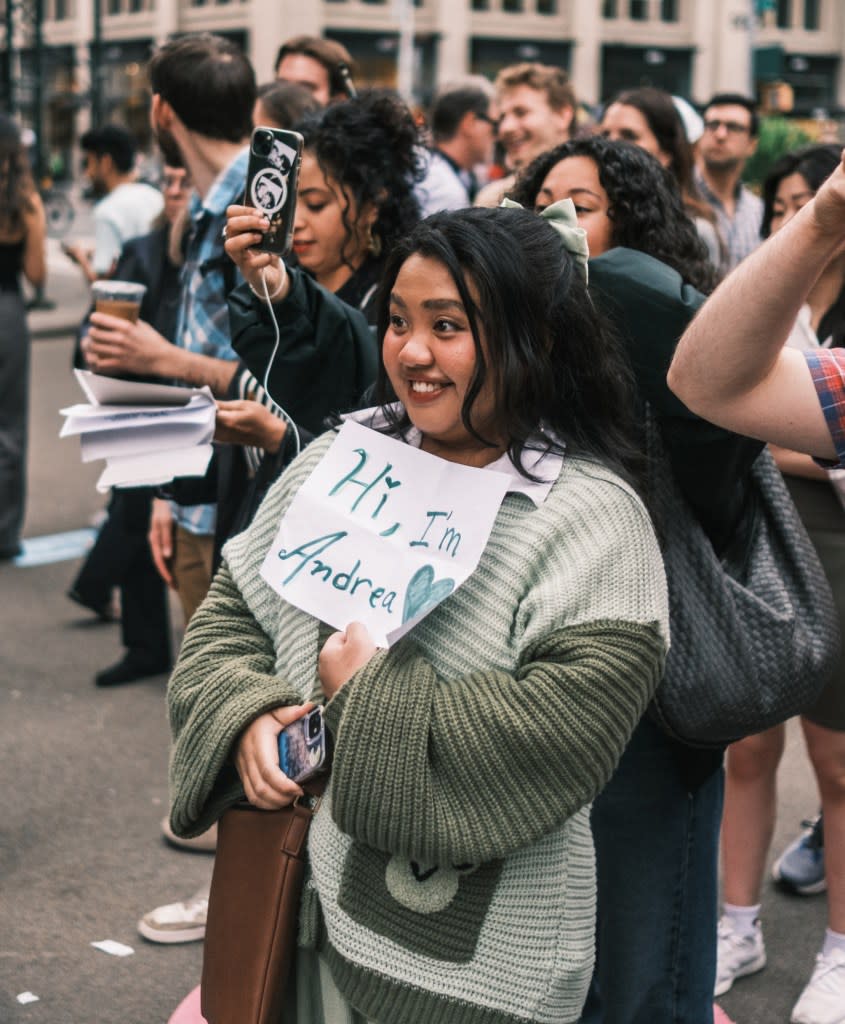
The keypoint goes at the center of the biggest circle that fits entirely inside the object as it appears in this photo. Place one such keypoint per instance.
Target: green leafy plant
(778, 135)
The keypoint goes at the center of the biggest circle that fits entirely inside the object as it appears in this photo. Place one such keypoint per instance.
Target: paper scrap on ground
(113, 948)
(381, 533)
(27, 997)
(147, 433)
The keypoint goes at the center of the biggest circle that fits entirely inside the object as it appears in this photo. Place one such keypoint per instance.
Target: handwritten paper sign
(381, 533)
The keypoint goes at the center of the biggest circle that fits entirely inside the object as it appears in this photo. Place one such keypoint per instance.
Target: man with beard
(730, 138)
(203, 94)
(126, 207)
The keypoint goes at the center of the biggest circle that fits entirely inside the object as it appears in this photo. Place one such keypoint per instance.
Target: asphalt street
(83, 773)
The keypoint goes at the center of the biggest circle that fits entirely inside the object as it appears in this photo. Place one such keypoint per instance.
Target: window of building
(812, 15)
(784, 13)
(513, 6)
(481, 5)
(608, 9)
(638, 10)
(547, 6)
(669, 10)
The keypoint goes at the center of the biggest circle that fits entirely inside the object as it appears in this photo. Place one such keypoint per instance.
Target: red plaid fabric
(827, 367)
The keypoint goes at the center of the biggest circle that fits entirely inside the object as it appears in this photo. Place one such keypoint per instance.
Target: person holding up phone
(355, 201)
(346, 208)
(466, 755)
(355, 185)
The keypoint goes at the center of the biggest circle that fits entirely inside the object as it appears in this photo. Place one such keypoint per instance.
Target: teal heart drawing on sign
(423, 593)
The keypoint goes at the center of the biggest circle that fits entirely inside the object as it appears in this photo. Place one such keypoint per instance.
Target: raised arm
(731, 366)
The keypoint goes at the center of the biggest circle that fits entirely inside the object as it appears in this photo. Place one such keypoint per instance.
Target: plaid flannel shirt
(827, 367)
(203, 323)
(741, 233)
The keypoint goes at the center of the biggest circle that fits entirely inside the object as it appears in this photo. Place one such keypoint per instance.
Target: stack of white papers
(147, 433)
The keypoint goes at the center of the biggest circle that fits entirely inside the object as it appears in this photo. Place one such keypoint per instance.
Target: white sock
(745, 920)
(833, 940)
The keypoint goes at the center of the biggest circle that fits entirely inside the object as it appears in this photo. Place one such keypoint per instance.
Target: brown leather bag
(253, 909)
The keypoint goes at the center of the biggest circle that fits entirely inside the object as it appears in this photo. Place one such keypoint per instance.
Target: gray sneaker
(801, 865)
(738, 955)
(177, 922)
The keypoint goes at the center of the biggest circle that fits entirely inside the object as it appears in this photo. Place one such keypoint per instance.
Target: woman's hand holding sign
(342, 655)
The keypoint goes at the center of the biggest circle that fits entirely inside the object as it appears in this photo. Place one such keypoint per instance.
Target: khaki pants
(192, 561)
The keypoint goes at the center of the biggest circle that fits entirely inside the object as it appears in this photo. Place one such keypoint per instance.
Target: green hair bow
(562, 217)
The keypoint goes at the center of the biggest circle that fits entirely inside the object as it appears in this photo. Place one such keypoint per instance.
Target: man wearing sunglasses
(463, 130)
(730, 138)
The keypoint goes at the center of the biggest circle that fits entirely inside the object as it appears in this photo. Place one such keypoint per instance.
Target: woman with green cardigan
(451, 864)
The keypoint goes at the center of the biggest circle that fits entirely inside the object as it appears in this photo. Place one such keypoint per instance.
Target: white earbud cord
(266, 381)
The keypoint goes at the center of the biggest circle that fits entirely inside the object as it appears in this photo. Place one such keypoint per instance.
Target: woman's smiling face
(429, 355)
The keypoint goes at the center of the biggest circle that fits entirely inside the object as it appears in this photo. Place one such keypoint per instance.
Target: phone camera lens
(262, 143)
(313, 727)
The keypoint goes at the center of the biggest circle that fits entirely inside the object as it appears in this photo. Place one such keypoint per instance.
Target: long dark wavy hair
(370, 145)
(646, 208)
(16, 184)
(664, 121)
(557, 369)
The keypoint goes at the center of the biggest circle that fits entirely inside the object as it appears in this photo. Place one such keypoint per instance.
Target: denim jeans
(656, 829)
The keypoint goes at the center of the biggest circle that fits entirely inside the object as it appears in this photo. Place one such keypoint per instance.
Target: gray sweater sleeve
(224, 679)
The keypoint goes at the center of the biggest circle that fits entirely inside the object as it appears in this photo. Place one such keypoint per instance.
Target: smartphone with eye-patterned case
(271, 182)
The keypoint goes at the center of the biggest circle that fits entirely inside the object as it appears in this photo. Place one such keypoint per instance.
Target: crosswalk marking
(55, 547)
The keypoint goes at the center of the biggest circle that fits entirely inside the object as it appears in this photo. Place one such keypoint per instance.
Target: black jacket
(651, 307)
(327, 356)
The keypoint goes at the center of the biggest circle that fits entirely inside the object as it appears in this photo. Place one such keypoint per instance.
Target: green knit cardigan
(451, 866)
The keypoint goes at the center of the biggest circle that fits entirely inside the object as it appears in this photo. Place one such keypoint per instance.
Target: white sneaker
(823, 1000)
(177, 922)
(737, 955)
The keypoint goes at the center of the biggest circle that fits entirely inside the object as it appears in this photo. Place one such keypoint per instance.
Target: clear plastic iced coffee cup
(118, 298)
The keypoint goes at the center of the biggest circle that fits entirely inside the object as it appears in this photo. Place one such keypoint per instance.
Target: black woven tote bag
(749, 648)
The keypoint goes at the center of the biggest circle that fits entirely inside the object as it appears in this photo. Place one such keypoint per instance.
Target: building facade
(90, 54)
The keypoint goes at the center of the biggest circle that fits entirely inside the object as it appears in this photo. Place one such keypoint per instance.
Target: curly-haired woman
(355, 201)
(623, 197)
(22, 251)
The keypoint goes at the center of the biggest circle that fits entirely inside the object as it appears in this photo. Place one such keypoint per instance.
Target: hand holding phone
(302, 746)
(244, 229)
(257, 758)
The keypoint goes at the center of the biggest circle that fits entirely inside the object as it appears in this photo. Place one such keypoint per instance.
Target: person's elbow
(682, 383)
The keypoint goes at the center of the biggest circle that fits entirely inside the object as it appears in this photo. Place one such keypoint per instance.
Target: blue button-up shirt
(203, 323)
